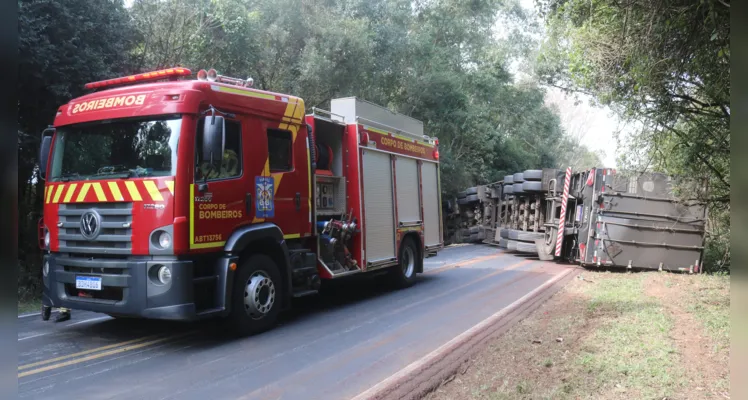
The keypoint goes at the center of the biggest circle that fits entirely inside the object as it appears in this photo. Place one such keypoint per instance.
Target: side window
(280, 151)
(231, 162)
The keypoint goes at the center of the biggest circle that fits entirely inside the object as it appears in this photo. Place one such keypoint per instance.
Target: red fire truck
(175, 198)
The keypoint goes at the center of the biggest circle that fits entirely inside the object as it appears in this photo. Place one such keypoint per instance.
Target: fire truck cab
(182, 199)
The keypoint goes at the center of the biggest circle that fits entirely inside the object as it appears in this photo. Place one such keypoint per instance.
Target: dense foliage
(665, 66)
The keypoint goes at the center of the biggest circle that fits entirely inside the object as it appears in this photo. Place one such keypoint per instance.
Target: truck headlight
(164, 240)
(164, 275)
(46, 238)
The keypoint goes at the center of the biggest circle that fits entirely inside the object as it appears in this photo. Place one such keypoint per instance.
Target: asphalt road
(331, 346)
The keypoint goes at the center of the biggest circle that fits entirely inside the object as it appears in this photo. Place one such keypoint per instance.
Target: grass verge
(611, 336)
(29, 306)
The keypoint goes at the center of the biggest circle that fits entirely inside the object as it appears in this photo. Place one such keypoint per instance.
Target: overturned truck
(594, 218)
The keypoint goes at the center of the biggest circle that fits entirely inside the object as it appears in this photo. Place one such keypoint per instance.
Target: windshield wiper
(68, 177)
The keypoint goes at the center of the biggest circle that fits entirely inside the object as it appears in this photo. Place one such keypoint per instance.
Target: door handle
(248, 203)
(297, 200)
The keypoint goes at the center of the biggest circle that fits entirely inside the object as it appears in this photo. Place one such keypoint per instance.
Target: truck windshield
(116, 149)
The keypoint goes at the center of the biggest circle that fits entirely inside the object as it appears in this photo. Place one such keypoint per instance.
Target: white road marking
(73, 324)
(464, 336)
(33, 336)
(90, 320)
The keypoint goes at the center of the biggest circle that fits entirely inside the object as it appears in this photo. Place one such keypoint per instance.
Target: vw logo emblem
(90, 224)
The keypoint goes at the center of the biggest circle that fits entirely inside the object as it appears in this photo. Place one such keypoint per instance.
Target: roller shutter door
(378, 206)
(406, 184)
(431, 204)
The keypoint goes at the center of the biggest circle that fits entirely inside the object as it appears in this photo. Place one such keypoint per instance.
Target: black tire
(472, 198)
(533, 175)
(462, 201)
(511, 245)
(523, 247)
(525, 236)
(258, 274)
(502, 243)
(472, 190)
(404, 274)
(461, 195)
(532, 186)
(474, 229)
(508, 179)
(504, 233)
(518, 188)
(509, 189)
(518, 178)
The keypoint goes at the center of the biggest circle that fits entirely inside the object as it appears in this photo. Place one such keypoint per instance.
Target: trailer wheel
(509, 189)
(472, 190)
(404, 274)
(533, 175)
(472, 198)
(508, 179)
(532, 186)
(519, 178)
(461, 195)
(257, 295)
(518, 189)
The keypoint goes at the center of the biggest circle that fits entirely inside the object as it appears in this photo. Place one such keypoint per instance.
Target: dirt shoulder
(610, 336)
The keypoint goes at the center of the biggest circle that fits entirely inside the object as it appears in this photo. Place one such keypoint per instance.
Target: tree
(663, 64)
(62, 46)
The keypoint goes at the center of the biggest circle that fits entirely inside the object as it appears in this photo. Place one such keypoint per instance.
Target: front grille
(115, 234)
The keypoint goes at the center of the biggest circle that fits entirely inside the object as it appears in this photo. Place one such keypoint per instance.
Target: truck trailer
(595, 218)
(170, 197)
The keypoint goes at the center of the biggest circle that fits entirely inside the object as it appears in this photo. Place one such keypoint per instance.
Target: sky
(596, 125)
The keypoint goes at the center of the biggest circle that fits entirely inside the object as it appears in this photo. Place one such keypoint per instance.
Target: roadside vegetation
(611, 336)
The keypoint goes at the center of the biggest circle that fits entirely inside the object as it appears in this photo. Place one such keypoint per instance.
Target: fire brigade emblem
(265, 205)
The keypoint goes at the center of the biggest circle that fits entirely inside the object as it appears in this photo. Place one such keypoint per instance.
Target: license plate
(88, 282)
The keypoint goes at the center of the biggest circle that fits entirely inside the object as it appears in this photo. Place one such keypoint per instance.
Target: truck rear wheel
(404, 274)
(257, 295)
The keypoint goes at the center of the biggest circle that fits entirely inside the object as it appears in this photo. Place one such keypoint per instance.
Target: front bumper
(130, 287)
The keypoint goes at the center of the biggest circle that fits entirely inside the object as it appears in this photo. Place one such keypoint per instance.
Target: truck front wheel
(257, 295)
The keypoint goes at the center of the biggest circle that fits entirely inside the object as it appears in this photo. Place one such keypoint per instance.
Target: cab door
(220, 198)
(284, 198)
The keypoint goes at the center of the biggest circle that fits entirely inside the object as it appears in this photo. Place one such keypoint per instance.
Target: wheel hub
(408, 262)
(259, 295)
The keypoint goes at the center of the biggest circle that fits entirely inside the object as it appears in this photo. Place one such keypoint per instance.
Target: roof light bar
(144, 77)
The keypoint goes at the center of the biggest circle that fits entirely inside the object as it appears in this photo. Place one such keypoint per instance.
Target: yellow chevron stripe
(152, 189)
(69, 194)
(83, 192)
(133, 190)
(116, 194)
(170, 186)
(49, 194)
(100, 195)
(58, 193)
(192, 215)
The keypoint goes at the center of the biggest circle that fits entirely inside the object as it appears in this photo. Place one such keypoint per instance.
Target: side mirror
(214, 134)
(44, 152)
